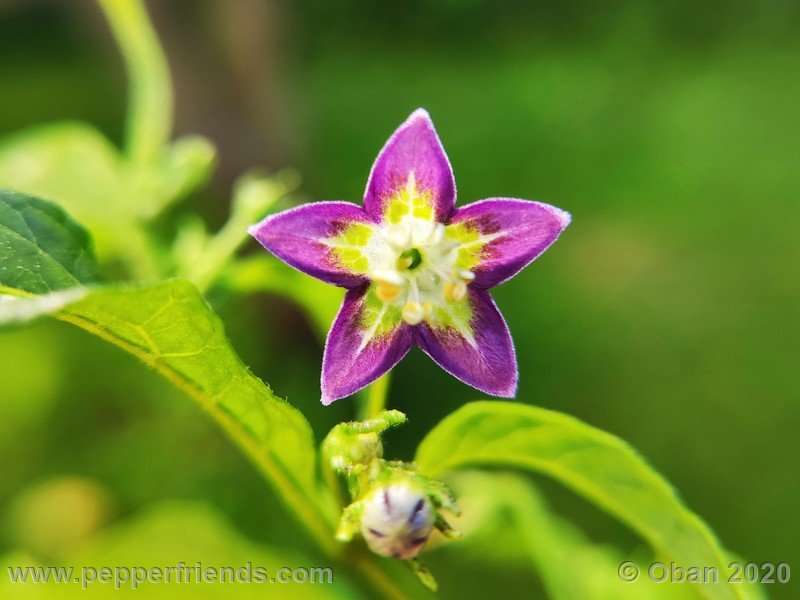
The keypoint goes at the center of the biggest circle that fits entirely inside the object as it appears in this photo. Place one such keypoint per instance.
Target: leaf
(78, 166)
(165, 536)
(16, 309)
(594, 464)
(185, 165)
(170, 327)
(41, 248)
(506, 520)
(71, 162)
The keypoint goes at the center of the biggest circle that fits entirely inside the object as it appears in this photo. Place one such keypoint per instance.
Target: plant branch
(149, 123)
(374, 398)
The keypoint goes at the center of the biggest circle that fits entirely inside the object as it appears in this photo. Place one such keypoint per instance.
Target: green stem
(138, 253)
(150, 106)
(252, 198)
(334, 486)
(385, 583)
(376, 394)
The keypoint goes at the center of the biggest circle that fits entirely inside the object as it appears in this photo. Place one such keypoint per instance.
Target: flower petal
(367, 339)
(412, 174)
(327, 240)
(471, 341)
(500, 236)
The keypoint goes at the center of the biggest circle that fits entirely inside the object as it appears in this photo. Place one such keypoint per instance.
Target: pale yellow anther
(466, 276)
(427, 308)
(387, 292)
(413, 312)
(454, 291)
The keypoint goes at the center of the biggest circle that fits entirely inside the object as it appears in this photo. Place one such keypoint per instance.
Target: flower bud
(397, 520)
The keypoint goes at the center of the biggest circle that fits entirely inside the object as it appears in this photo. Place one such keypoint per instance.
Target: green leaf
(184, 166)
(41, 248)
(594, 464)
(506, 521)
(165, 536)
(70, 162)
(76, 165)
(170, 327)
(17, 308)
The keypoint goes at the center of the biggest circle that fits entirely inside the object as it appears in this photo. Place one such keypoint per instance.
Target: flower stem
(374, 400)
(371, 569)
(150, 106)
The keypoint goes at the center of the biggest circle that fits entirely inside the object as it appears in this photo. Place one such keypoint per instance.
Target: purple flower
(417, 269)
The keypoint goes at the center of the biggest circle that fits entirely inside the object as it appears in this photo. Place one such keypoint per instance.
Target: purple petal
(413, 149)
(509, 235)
(479, 351)
(310, 238)
(366, 340)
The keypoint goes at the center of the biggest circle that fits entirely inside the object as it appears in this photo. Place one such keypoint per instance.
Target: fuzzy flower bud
(397, 520)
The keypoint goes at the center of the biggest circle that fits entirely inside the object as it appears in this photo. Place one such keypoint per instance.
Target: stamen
(437, 234)
(414, 289)
(388, 292)
(398, 238)
(413, 313)
(466, 276)
(388, 276)
(389, 285)
(454, 291)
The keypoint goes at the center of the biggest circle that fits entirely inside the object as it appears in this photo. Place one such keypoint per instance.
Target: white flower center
(415, 266)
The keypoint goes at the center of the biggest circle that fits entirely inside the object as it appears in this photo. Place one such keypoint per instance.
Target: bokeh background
(667, 314)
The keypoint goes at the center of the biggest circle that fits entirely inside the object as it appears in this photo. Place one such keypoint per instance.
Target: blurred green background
(667, 314)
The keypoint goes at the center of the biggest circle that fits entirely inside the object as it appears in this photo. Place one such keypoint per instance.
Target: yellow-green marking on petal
(409, 201)
(349, 245)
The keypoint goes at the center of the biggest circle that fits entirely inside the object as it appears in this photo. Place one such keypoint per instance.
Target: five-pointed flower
(416, 268)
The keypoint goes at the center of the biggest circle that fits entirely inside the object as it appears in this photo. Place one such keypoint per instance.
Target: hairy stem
(253, 196)
(150, 106)
(374, 400)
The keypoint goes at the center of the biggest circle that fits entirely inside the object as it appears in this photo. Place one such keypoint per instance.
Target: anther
(387, 292)
(389, 285)
(413, 313)
(466, 276)
(454, 291)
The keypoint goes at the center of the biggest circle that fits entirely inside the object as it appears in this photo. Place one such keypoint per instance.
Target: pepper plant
(78, 244)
